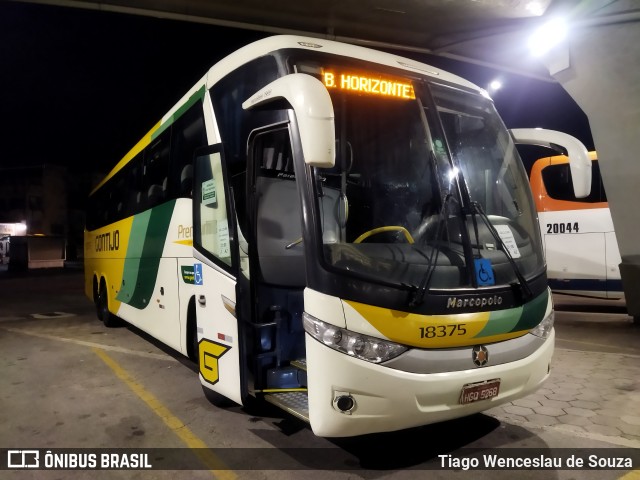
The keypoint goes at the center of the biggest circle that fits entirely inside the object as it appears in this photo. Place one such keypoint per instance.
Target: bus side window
(211, 221)
(156, 169)
(134, 187)
(557, 182)
(559, 186)
(187, 134)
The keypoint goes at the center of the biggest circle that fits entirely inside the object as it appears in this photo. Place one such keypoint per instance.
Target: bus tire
(96, 299)
(257, 407)
(109, 319)
(217, 399)
(192, 332)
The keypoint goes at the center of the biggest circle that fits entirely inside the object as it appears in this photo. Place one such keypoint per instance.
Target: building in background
(36, 197)
(43, 201)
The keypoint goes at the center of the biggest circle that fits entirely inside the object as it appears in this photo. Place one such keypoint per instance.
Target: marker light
(353, 344)
(547, 36)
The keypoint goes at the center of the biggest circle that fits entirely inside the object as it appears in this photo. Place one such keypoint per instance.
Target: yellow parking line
(632, 475)
(200, 449)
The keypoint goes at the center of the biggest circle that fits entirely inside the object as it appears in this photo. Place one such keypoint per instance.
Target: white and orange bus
(579, 239)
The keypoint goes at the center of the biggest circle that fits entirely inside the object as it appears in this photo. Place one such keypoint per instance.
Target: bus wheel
(217, 399)
(96, 299)
(104, 314)
(192, 332)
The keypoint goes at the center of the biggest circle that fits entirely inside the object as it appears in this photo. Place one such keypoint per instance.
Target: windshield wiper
(476, 209)
(418, 293)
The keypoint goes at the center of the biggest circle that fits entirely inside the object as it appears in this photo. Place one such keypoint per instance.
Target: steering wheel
(427, 224)
(390, 228)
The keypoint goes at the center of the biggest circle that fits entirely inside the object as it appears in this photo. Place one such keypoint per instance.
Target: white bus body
(361, 249)
(579, 239)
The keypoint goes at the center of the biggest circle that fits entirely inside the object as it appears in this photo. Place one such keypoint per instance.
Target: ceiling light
(547, 36)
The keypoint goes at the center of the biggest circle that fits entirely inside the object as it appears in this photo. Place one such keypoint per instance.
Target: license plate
(474, 392)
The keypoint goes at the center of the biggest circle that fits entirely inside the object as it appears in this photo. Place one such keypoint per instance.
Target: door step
(296, 403)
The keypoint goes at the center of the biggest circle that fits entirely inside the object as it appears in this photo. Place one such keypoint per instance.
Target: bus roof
(280, 42)
(271, 44)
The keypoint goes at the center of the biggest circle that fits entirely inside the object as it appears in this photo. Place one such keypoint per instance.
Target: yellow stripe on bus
(105, 253)
(144, 141)
(431, 331)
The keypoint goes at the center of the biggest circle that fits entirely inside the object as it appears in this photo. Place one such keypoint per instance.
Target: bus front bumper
(385, 399)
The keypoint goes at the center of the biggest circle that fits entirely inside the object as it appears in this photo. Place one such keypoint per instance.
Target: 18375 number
(435, 331)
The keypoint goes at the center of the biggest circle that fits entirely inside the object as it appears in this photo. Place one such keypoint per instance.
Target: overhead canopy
(486, 32)
(598, 64)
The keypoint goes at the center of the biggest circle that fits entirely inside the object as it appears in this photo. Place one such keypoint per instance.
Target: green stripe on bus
(146, 244)
(516, 319)
(134, 252)
(533, 312)
(500, 322)
(197, 96)
(152, 135)
(153, 247)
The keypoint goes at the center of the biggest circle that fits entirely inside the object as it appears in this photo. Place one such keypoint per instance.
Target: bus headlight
(354, 344)
(543, 330)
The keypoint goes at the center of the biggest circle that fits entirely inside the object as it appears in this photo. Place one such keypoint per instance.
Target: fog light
(345, 403)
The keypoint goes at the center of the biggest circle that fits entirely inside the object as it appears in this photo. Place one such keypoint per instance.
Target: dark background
(81, 87)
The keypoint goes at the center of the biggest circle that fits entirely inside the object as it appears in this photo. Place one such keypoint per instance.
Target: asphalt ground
(68, 382)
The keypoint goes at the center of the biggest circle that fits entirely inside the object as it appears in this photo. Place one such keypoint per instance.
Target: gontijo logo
(108, 242)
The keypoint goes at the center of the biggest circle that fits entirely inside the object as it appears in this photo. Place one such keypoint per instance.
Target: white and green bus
(345, 233)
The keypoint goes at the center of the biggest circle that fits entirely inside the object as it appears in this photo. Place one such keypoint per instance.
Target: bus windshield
(426, 181)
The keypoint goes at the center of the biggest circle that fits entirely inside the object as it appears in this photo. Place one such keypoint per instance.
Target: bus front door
(215, 273)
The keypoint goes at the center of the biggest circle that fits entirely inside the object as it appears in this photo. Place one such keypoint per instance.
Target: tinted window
(235, 123)
(155, 177)
(187, 134)
(211, 221)
(557, 180)
(161, 172)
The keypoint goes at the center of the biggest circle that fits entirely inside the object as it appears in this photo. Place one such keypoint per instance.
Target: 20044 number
(435, 331)
(568, 227)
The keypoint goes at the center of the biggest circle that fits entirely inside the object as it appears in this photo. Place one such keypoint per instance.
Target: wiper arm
(477, 209)
(418, 293)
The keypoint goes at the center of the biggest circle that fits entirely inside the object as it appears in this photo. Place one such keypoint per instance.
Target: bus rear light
(351, 343)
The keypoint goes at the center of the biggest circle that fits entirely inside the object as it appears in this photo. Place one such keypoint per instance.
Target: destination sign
(368, 84)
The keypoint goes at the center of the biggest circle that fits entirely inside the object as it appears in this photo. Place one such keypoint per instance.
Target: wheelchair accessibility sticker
(197, 274)
(484, 272)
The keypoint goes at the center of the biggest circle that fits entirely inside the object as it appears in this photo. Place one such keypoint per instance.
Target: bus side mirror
(579, 161)
(314, 112)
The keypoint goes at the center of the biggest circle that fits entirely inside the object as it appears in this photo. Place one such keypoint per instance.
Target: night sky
(81, 87)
